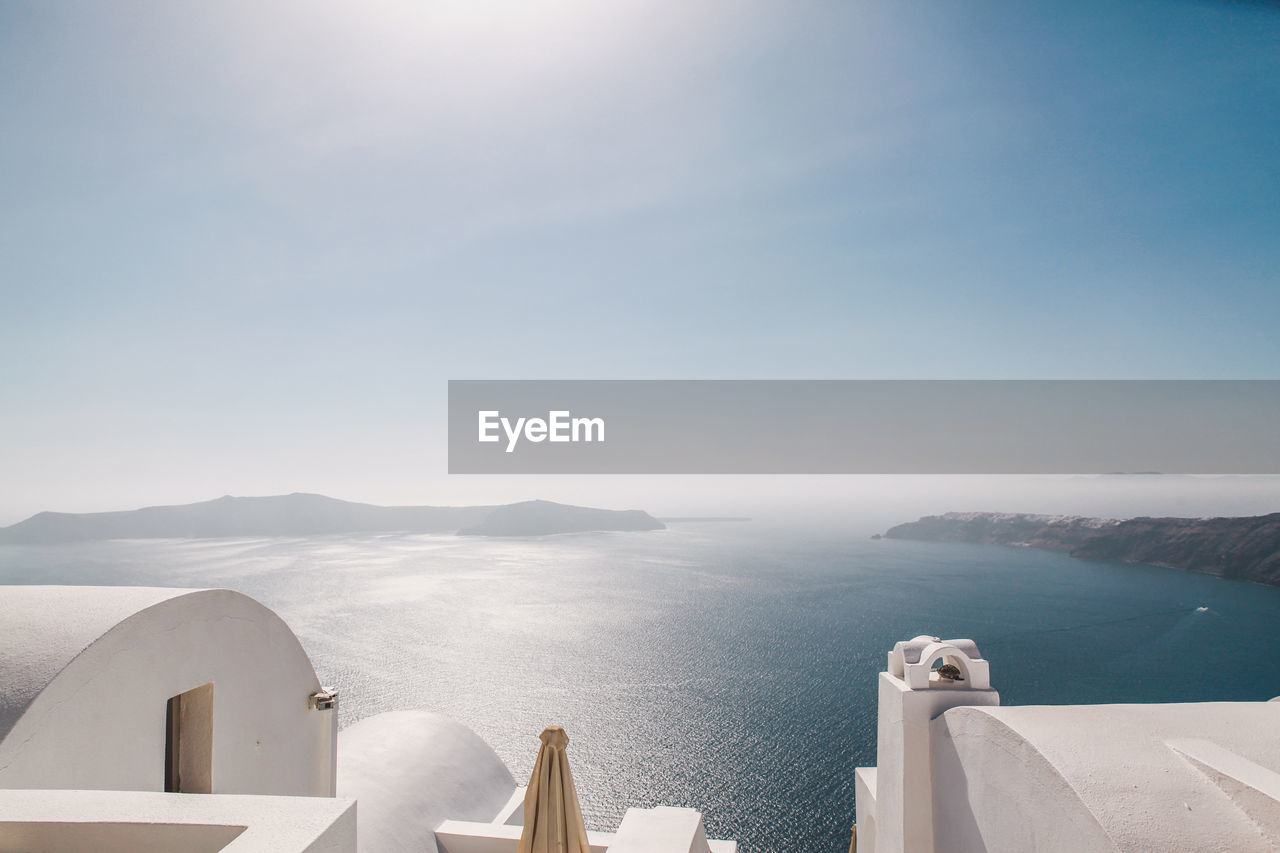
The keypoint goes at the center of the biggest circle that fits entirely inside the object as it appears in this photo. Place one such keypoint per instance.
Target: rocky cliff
(1238, 548)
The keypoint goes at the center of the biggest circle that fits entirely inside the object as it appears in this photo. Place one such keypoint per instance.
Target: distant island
(680, 519)
(311, 515)
(539, 518)
(1238, 548)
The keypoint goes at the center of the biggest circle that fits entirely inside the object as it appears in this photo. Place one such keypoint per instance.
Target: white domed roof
(412, 770)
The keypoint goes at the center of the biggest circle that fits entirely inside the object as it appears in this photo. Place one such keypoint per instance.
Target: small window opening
(947, 672)
(188, 742)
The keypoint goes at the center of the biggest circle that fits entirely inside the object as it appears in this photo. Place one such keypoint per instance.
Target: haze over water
(727, 667)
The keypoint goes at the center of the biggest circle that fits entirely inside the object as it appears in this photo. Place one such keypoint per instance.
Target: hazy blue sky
(242, 248)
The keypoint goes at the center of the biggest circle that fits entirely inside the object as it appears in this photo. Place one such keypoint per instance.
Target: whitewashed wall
(89, 670)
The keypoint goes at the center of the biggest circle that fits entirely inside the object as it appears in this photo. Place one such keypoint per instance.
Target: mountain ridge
(303, 514)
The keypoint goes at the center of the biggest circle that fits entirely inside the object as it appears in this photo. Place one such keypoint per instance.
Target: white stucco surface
(412, 770)
(45, 627)
(1108, 777)
(902, 816)
(460, 836)
(88, 672)
(463, 836)
(663, 829)
(864, 788)
(958, 773)
(131, 821)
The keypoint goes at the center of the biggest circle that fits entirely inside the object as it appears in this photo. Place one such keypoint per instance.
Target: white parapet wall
(665, 829)
(658, 830)
(33, 821)
(462, 836)
(864, 787)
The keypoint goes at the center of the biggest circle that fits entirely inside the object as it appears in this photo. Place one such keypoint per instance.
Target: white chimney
(925, 677)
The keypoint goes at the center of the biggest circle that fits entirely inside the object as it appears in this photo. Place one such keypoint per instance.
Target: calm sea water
(728, 667)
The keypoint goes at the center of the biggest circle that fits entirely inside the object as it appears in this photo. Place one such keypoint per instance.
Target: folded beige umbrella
(552, 815)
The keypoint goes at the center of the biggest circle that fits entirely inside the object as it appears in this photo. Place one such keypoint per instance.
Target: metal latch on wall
(323, 700)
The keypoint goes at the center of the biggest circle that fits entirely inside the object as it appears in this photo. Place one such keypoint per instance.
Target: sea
(728, 667)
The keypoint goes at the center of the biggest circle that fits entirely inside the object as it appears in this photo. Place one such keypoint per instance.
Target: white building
(143, 719)
(137, 719)
(958, 772)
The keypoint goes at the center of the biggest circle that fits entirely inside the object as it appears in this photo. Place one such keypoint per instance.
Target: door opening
(188, 742)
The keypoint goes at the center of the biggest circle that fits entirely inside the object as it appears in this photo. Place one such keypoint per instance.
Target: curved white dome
(412, 770)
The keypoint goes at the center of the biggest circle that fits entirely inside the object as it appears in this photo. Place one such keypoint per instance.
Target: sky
(243, 246)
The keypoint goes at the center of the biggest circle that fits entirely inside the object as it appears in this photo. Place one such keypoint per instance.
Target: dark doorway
(188, 742)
